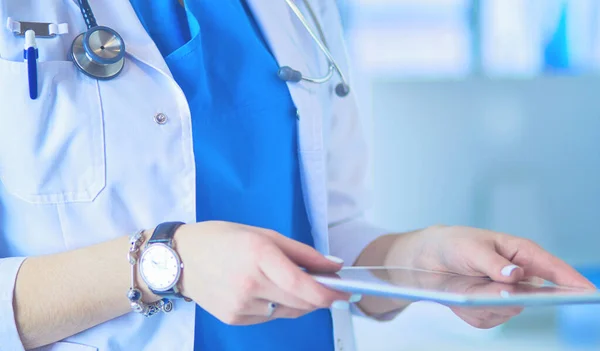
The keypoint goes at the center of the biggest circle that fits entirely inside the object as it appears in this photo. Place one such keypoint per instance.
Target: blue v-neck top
(245, 146)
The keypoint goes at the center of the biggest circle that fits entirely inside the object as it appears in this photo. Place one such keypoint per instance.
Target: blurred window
(423, 38)
(410, 37)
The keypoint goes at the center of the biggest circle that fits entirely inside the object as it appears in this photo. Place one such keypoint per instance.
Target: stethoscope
(100, 51)
(289, 74)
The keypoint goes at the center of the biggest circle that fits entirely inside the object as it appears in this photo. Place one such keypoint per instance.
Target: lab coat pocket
(51, 148)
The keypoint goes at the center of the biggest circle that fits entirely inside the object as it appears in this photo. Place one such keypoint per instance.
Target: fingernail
(340, 305)
(335, 259)
(355, 298)
(507, 271)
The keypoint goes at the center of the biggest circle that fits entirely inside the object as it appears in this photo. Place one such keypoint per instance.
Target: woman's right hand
(234, 271)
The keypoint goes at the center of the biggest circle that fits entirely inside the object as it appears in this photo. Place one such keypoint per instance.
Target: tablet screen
(449, 288)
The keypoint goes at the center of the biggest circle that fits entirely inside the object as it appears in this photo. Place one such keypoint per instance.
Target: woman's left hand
(477, 252)
(471, 252)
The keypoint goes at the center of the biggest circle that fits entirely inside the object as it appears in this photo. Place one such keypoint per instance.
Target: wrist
(403, 250)
(179, 243)
(148, 295)
(414, 249)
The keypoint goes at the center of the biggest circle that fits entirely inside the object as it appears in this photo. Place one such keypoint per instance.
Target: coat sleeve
(347, 157)
(9, 336)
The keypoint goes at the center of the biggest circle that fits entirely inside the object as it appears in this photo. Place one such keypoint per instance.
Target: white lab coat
(86, 162)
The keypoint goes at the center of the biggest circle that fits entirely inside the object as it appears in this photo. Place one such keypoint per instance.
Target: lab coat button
(160, 118)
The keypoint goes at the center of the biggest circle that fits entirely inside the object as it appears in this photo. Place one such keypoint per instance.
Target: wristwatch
(160, 266)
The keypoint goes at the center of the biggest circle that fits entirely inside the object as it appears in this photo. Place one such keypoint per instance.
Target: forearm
(60, 295)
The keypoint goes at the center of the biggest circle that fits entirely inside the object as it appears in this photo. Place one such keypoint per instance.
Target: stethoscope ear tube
(288, 74)
(342, 89)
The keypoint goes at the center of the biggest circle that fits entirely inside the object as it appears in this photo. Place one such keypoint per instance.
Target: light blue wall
(521, 156)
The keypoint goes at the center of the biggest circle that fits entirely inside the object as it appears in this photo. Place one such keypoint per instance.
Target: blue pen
(30, 54)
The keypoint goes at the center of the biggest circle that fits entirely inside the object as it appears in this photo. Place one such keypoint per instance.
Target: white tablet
(451, 289)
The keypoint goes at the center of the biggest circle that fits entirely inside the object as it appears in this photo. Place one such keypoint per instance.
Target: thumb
(499, 268)
(305, 256)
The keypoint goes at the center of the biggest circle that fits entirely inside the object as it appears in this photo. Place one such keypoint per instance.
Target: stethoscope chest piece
(100, 61)
(100, 51)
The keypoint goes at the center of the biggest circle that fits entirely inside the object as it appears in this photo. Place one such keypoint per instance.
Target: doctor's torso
(89, 160)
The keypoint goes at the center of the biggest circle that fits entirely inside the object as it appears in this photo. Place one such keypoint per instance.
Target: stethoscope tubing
(103, 68)
(324, 49)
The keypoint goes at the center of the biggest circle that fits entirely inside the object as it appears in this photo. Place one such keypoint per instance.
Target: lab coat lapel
(281, 30)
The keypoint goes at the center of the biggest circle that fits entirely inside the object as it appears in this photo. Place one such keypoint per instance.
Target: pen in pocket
(30, 55)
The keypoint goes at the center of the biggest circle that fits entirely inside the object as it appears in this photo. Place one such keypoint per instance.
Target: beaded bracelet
(134, 295)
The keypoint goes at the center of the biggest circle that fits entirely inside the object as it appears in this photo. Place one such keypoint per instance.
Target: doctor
(197, 127)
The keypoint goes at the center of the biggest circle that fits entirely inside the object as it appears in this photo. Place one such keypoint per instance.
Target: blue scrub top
(245, 144)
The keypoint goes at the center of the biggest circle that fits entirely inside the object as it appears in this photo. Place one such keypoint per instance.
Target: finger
(263, 288)
(538, 262)
(533, 280)
(259, 311)
(474, 287)
(509, 311)
(261, 308)
(481, 320)
(271, 292)
(497, 267)
(282, 312)
(304, 255)
(289, 313)
(472, 317)
(291, 279)
(484, 318)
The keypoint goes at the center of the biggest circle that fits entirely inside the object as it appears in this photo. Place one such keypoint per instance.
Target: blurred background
(483, 113)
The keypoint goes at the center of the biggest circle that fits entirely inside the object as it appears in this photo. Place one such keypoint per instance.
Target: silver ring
(272, 306)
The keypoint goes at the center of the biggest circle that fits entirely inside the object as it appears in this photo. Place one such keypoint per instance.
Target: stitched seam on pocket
(97, 168)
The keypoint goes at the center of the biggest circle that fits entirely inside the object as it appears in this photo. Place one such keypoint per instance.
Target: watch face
(160, 267)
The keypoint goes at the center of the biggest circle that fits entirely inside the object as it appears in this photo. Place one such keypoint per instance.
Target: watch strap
(170, 294)
(164, 233)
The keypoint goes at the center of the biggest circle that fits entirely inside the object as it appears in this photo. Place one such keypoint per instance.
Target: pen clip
(41, 29)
